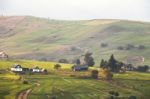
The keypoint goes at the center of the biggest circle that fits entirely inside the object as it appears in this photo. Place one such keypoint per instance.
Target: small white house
(36, 69)
(17, 68)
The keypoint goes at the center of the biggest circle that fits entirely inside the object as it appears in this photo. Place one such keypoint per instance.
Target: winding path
(24, 94)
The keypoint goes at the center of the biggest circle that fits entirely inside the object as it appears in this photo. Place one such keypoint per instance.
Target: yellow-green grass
(30, 64)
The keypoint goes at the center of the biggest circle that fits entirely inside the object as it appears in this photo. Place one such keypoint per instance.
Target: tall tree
(78, 62)
(89, 60)
(102, 63)
(112, 63)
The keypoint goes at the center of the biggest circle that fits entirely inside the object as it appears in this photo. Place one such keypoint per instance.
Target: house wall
(16, 69)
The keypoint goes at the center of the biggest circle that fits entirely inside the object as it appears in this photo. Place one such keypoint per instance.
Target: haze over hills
(28, 37)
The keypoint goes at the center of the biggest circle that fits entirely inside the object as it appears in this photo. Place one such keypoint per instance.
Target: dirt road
(24, 94)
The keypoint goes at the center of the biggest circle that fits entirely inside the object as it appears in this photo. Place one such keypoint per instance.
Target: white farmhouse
(17, 68)
(36, 69)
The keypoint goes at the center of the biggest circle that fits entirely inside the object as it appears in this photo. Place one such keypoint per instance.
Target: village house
(35, 69)
(79, 67)
(16, 68)
(3, 55)
(38, 70)
(19, 69)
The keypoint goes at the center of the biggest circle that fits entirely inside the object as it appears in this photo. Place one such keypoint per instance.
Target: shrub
(25, 82)
(141, 47)
(57, 66)
(129, 46)
(116, 94)
(106, 74)
(104, 44)
(63, 61)
(111, 92)
(132, 97)
(120, 48)
(53, 97)
(94, 74)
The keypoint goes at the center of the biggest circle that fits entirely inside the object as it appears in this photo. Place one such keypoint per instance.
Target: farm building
(16, 68)
(35, 69)
(38, 70)
(3, 55)
(19, 69)
(79, 67)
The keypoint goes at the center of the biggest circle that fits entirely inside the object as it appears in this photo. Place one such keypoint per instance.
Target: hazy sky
(79, 9)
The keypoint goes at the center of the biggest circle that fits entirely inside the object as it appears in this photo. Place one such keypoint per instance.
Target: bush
(53, 97)
(116, 94)
(132, 97)
(94, 74)
(111, 92)
(57, 66)
(25, 82)
(144, 68)
(129, 46)
(63, 61)
(141, 47)
(120, 48)
(106, 74)
(104, 44)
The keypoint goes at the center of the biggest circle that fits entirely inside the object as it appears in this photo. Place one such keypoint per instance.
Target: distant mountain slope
(36, 38)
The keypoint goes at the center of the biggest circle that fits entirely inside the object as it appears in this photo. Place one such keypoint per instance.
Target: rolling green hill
(28, 37)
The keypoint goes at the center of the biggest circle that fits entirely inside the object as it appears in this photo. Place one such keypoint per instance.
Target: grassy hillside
(37, 38)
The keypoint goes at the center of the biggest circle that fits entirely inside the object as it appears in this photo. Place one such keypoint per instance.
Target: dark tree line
(112, 64)
(144, 68)
(115, 66)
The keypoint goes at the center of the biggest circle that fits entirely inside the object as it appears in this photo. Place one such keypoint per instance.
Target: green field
(38, 38)
(66, 84)
(10, 85)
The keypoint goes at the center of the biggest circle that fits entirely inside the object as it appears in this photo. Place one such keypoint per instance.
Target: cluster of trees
(141, 68)
(88, 59)
(112, 64)
(115, 66)
(131, 46)
(144, 68)
(116, 95)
